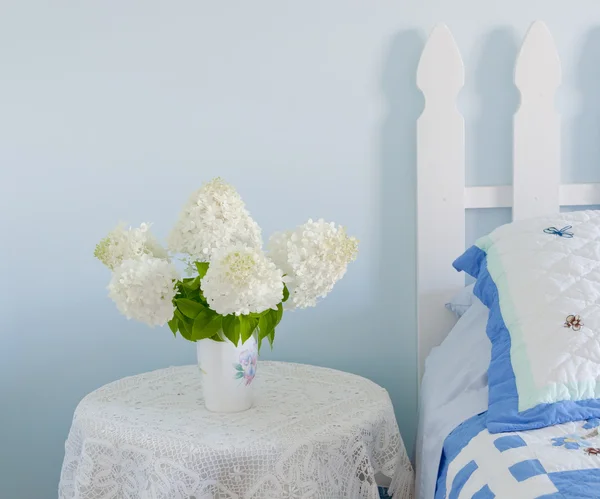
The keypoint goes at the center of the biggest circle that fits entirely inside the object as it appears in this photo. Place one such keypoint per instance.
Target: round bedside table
(312, 433)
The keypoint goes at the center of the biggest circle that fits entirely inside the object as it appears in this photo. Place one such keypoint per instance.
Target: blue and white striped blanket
(561, 461)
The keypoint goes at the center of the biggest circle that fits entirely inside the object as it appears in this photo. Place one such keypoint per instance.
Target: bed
(459, 452)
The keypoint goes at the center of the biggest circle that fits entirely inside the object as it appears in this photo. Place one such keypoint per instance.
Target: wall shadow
(489, 133)
(489, 130)
(584, 130)
(396, 291)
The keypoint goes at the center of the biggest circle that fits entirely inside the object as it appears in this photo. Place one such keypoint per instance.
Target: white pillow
(462, 301)
(540, 278)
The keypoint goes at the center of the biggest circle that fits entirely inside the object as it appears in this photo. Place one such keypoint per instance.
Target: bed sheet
(453, 389)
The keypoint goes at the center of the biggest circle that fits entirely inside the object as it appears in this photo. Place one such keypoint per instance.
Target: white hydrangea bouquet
(235, 292)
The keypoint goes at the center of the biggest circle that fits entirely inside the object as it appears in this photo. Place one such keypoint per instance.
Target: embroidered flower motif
(296, 486)
(592, 423)
(574, 322)
(237, 474)
(570, 441)
(118, 471)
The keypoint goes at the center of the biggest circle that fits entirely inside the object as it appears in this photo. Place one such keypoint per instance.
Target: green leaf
(286, 293)
(194, 295)
(269, 320)
(244, 328)
(177, 313)
(239, 375)
(184, 291)
(173, 326)
(184, 330)
(231, 328)
(189, 308)
(271, 338)
(202, 298)
(254, 324)
(247, 326)
(265, 326)
(214, 326)
(206, 325)
(191, 283)
(278, 314)
(184, 327)
(202, 269)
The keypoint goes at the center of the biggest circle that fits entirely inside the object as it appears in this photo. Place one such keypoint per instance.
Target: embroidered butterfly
(564, 232)
(573, 322)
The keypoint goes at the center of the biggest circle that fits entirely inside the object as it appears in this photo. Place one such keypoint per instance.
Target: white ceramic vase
(227, 373)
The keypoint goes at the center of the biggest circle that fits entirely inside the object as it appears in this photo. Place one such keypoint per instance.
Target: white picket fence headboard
(442, 196)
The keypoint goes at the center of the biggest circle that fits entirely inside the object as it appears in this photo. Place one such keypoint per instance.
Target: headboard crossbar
(442, 197)
(501, 196)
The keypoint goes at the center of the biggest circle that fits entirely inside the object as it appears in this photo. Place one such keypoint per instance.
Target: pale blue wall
(118, 109)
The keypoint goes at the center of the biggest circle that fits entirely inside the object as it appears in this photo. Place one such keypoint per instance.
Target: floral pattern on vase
(246, 368)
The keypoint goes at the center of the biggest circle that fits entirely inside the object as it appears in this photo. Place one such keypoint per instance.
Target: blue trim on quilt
(503, 414)
(582, 484)
(526, 469)
(509, 442)
(453, 445)
(461, 478)
(484, 493)
(570, 484)
(470, 261)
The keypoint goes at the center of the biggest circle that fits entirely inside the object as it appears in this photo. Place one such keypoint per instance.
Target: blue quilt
(561, 461)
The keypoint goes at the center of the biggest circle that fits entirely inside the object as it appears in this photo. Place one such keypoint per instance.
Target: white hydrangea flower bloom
(143, 289)
(313, 257)
(215, 217)
(242, 280)
(128, 244)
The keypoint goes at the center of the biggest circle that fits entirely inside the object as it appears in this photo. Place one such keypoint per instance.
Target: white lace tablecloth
(312, 433)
